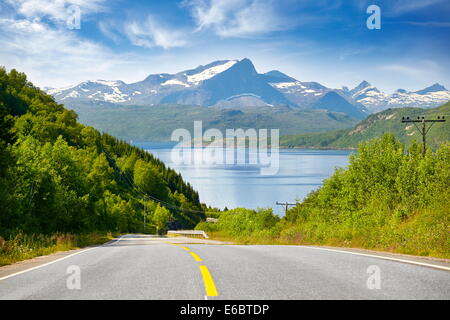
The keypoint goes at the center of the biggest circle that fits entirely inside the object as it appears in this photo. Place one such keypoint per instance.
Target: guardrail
(187, 233)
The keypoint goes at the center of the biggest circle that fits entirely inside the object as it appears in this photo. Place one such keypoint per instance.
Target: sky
(327, 41)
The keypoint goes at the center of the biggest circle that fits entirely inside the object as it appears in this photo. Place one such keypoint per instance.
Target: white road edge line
(384, 257)
(117, 241)
(54, 261)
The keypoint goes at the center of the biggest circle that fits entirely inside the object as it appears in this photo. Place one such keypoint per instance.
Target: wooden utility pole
(286, 205)
(145, 212)
(423, 131)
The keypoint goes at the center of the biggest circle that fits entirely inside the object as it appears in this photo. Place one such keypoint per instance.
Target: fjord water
(234, 185)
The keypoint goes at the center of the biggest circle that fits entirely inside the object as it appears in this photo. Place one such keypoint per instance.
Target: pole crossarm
(423, 120)
(286, 205)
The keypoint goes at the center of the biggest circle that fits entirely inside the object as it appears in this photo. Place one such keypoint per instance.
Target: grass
(22, 246)
(425, 233)
(295, 238)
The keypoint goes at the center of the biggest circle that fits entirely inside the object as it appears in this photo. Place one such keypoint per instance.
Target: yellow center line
(196, 257)
(209, 283)
(210, 287)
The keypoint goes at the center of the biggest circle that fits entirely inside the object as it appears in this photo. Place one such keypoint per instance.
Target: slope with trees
(57, 175)
(388, 121)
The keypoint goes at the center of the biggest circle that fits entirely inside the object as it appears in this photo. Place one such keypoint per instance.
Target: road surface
(146, 267)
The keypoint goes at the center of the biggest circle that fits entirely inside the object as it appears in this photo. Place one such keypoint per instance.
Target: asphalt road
(144, 267)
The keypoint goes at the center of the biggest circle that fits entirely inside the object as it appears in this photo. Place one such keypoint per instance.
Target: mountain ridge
(221, 82)
(157, 122)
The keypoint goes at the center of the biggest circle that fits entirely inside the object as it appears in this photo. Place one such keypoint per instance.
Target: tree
(161, 218)
(149, 180)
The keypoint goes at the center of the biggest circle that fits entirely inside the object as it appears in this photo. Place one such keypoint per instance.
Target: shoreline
(235, 147)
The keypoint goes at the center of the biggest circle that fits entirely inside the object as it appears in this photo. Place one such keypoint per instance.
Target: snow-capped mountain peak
(363, 85)
(236, 82)
(376, 101)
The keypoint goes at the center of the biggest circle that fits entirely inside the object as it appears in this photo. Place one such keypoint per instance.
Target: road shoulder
(432, 262)
(36, 262)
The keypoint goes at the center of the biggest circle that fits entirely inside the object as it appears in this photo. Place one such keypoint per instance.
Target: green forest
(157, 122)
(389, 198)
(58, 176)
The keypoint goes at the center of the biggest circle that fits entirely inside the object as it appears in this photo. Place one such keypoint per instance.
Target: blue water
(300, 172)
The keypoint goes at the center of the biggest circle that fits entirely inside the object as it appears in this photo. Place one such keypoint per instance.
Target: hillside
(389, 197)
(57, 175)
(388, 121)
(156, 123)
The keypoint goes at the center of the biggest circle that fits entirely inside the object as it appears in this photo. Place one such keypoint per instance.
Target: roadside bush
(388, 198)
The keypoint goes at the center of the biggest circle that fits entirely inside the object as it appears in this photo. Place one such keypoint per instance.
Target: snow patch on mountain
(109, 83)
(283, 85)
(175, 82)
(73, 94)
(116, 96)
(210, 72)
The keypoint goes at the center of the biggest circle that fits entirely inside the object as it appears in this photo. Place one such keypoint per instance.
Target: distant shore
(171, 144)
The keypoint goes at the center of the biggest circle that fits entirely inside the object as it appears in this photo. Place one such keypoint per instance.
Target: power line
(137, 190)
(423, 131)
(131, 184)
(285, 205)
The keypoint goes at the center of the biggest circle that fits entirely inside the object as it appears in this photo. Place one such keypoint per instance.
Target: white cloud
(109, 30)
(418, 69)
(151, 34)
(237, 18)
(34, 39)
(432, 24)
(53, 56)
(55, 10)
(399, 7)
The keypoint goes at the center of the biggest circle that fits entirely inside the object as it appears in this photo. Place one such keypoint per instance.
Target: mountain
(157, 122)
(151, 90)
(434, 88)
(237, 83)
(233, 83)
(207, 85)
(238, 80)
(375, 100)
(275, 76)
(334, 102)
(374, 126)
(302, 94)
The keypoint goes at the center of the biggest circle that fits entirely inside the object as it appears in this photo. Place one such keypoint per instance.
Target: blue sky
(311, 40)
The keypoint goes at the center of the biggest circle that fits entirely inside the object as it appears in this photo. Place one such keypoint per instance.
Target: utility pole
(145, 213)
(423, 131)
(286, 205)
